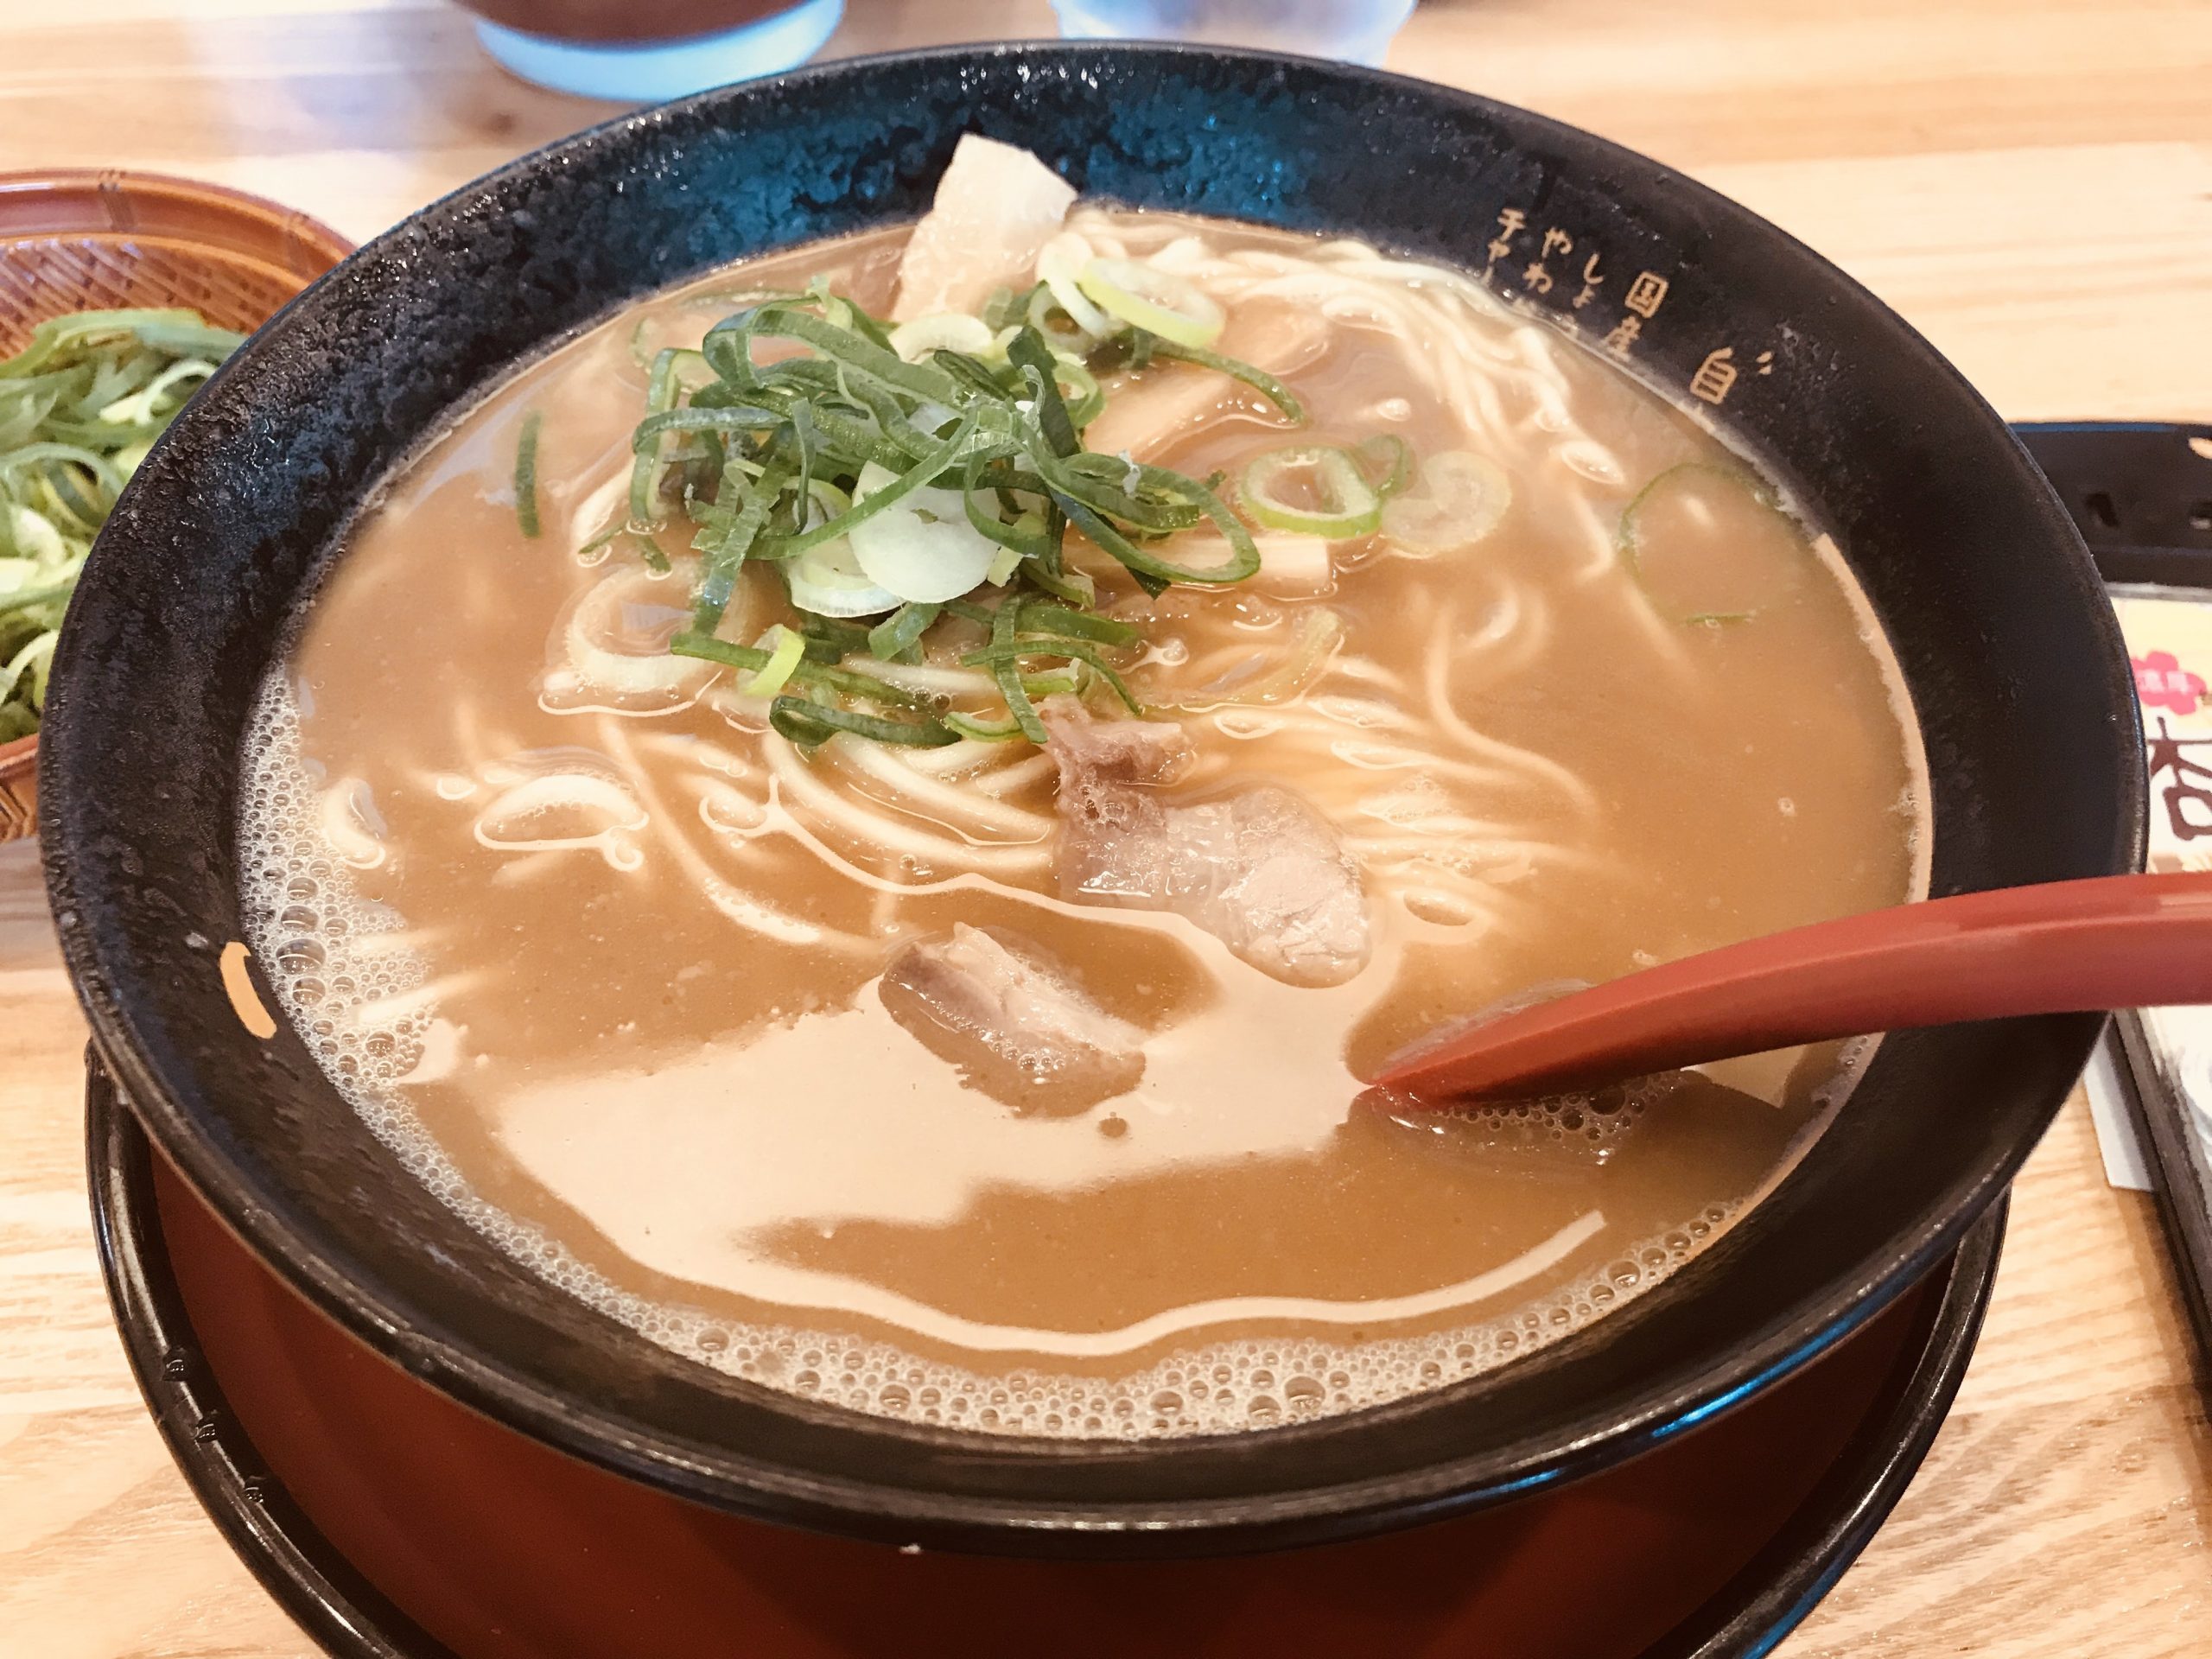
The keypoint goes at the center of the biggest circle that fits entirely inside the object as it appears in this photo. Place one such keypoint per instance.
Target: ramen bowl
(2011, 655)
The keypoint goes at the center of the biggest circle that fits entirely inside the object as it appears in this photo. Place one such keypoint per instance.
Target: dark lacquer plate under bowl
(396, 1524)
(2001, 630)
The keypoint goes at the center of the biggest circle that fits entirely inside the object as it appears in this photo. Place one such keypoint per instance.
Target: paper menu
(2169, 633)
(2169, 636)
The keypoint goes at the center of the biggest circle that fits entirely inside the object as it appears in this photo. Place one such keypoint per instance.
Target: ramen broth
(607, 963)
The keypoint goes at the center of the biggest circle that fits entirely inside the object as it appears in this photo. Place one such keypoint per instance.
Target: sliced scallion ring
(942, 331)
(1455, 499)
(810, 724)
(1079, 390)
(1316, 489)
(1392, 456)
(1155, 300)
(616, 639)
(785, 646)
(1712, 546)
(922, 550)
(829, 580)
(1061, 266)
(983, 731)
(1053, 324)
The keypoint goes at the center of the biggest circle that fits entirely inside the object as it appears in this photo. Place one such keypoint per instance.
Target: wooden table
(2028, 181)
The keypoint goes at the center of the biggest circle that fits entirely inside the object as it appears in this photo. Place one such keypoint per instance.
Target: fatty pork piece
(1260, 870)
(994, 1005)
(994, 208)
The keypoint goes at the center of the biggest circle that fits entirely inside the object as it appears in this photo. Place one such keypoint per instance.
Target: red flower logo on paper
(2161, 683)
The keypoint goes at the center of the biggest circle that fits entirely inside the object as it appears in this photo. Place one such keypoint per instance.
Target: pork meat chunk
(995, 1005)
(1260, 870)
(994, 208)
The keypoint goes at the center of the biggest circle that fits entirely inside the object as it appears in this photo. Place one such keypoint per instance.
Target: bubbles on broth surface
(367, 1011)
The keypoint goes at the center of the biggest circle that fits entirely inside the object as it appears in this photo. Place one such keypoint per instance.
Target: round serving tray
(394, 1523)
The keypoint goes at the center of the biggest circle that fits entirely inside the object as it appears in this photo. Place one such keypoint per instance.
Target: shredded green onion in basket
(79, 407)
(911, 491)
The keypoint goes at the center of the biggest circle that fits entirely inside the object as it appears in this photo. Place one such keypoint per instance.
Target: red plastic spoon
(2115, 942)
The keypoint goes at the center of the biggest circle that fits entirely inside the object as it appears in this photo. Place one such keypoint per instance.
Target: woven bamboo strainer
(87, 239)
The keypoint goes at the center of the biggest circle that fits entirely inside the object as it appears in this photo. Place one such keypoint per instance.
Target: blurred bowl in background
(87, 239)
(651, 49)
(1351, 31)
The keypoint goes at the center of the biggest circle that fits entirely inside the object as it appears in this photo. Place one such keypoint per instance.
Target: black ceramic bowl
(2010, 652)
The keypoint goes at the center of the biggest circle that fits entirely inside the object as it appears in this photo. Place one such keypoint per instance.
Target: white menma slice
(995, 206)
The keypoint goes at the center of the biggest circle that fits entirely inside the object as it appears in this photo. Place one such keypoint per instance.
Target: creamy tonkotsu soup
(923, 956)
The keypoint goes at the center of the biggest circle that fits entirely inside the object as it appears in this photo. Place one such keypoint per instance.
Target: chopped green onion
(941, 332)
(786, 647)
(726, 551)
(983, 731)
(1006, 669)
(828, 581)
(863, 509)
(81, 406)
(841, 680)
(1154, 300)
(1060, 285)
(735, 418)
(1345, 504)
(1079, 391)
(1245, 553)
(811, 724)
(1236, 368)
(1723, 575)
(102, 469)
(1056, 618)
(662, 390)
(1040, 317)
(894, 474)
(1041, 369)
(829, 640)
(1456, 498)
(972, 372)
(895, 637)
(137, 409)
(1003, 657)
(1392, 455)
(172, 333)
(526, 476)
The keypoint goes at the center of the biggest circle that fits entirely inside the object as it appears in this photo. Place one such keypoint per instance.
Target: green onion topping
(912, 484)
(1316, 489)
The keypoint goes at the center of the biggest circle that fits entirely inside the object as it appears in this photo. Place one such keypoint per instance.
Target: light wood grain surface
(2030, 182)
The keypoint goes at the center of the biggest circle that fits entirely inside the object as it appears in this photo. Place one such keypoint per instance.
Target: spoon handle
(2113, 942)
